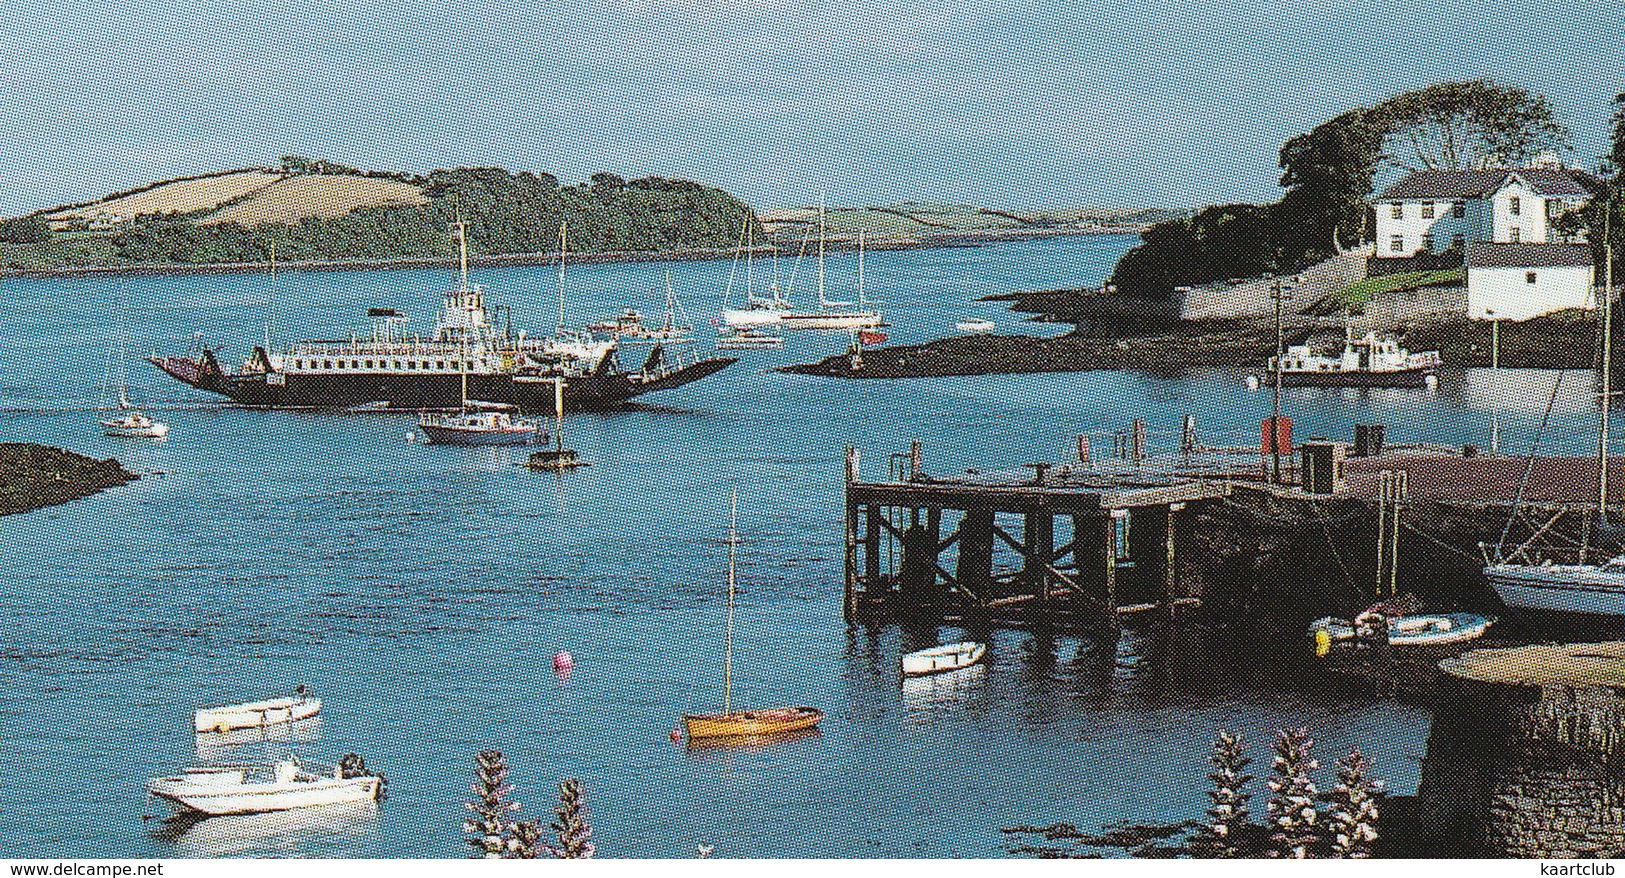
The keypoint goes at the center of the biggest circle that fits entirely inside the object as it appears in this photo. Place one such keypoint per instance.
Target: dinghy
(253, 789)
(256, 714)
(1423, 629)
(948, 657)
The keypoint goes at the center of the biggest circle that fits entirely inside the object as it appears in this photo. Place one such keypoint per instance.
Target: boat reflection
(708, 748)
(238, 744)
(931, 693)
(298, 832)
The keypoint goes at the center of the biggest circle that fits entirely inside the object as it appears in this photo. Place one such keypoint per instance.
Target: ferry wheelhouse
(390, 369)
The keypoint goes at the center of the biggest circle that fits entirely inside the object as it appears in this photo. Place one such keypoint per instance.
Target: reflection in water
(721, 749)
(297, 832)
(928, 696)
(265, 742)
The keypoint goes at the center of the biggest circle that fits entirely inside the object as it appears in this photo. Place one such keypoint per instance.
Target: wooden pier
(1087, 548)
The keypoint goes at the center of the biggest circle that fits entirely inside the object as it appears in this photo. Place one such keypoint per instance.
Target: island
(32, 476)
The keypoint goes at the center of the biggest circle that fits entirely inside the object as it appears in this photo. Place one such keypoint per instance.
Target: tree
(1328, 175)
(24, 230)
(1478, 123)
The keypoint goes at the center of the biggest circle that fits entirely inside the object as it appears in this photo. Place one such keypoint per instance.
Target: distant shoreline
(950, 239)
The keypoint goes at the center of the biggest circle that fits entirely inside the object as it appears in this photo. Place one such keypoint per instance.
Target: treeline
(506, 213)
(1329, 173)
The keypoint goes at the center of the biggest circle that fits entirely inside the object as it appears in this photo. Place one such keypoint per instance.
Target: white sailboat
(758, 312)
(832, 314)
(1583, 589)
(131, 423)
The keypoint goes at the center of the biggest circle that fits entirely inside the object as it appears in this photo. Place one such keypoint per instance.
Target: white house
(1517, 281)
(1436, 211)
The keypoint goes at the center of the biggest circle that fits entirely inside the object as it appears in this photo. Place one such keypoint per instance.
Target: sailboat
(132, 424)
(758, 312)
(475, 422)
(730, 723)
(1582, 589)
(629, 328)
(830, 314)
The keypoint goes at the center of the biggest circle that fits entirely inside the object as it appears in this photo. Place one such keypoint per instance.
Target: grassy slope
(179, 196)
(327, 195)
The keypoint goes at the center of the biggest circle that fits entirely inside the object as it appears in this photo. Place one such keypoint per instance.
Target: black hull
(417, 392)
(1408, 378)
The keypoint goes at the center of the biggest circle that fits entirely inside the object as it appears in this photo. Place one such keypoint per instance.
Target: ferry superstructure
(390, 370)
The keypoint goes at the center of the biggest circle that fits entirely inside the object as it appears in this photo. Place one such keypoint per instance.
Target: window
(1398, 211)
(327, 364)
(1515, 235)
(1515, 206)
(1427, 210)
(1459, 209)
(1554, 208)
(1396, 244)
(1458, 241)
(1528, 277)
(1427, 243)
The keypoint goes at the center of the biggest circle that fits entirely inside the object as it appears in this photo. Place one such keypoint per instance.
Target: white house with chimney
(1502, 221)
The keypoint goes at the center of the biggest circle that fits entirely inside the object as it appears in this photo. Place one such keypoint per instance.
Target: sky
(1004, 103)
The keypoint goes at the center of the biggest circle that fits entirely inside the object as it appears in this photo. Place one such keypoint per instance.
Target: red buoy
(677, 736)
(563, 661)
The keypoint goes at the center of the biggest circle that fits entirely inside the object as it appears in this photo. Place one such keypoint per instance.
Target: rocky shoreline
(1565, 340)
(33, 476)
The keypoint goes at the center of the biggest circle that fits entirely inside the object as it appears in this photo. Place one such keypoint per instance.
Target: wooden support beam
(1038, 529)
(873, 519)
(975, 569)
(849, 603)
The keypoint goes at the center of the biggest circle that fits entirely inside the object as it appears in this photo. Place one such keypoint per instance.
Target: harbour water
(422, 591)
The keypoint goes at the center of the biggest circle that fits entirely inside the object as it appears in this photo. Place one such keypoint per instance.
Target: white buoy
(1252, 382)
(411, 436)
(1431, 382)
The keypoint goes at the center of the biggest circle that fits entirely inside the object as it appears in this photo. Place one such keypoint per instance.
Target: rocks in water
(32, 476)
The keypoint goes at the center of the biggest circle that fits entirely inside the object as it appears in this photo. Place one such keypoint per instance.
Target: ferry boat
(1371, 360)
(391, 370)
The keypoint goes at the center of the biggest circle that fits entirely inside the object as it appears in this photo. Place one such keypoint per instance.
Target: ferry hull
(414, 392)
(1403, 378)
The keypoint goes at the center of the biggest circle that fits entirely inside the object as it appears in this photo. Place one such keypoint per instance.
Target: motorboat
(257, 789)
(746, 339)
(1421, 629)
(1371, 360)
(938, 659)
(256, 714)
(975, 326)
(1596, 590)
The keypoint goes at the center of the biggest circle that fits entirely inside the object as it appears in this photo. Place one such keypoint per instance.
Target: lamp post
(1278, 293)
(1495, 379)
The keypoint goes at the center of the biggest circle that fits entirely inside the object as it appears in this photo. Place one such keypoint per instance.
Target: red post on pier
(1083, 449)
(1276, 440)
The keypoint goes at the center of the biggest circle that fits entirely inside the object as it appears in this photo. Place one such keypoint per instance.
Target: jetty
(1334, 526)
(1086, 541)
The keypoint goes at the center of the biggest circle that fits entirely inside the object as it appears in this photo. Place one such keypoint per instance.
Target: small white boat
(474, 427)
(975, 326)
(948, 657)
(252, 789)
(1423, 629)
(747, 339)
(256, 714)
(135, 425)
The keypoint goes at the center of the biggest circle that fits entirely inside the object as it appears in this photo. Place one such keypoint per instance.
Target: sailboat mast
(860, 268)
(563, 241)
(1607, 362)
(462, 254)
(728, 648)
(558, 411)
(820, 248)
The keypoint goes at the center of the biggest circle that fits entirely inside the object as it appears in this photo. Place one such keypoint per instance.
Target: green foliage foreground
(507, 213)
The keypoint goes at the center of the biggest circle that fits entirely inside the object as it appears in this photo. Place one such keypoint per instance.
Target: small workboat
(558, 458)
(257, 714)
(948, 657)
(1422, 629)
(743, 724)
(135, 425)
(257, 789)
(975, 326)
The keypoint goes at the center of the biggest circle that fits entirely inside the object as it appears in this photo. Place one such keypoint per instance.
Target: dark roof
(1481, 255)
(1475, 184)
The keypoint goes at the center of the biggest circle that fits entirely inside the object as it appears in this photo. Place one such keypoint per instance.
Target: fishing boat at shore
(415, 374)
(256, 789)
(1371, 360)
(743, 724)
(257, 714)
(941, 659)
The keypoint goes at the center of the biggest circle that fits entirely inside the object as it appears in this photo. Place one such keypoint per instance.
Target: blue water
(422, 591)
